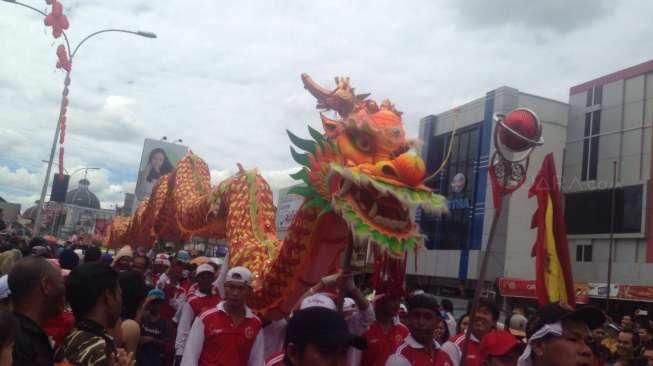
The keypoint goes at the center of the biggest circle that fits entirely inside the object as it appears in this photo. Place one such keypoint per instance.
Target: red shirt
(200, 304)
(381, 344)
(59, 326)
(215, 340)
(412, 353)
(455, 350)
(172, 294)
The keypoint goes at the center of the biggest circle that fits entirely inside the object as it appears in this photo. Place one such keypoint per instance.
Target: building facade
(609, 138)
(455, 243)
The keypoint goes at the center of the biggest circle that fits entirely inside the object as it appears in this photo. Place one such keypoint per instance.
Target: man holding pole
(485, 321)
(420, 348)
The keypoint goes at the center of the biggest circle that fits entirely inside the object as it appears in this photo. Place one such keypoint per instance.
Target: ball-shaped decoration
(410, 168)
(523, 130)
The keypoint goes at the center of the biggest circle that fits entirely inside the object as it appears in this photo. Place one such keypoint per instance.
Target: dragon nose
(407, 168)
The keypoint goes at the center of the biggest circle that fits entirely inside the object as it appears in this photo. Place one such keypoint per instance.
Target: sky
(225, 76)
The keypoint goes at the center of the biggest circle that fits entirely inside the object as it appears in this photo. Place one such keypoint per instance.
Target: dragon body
(358, 178)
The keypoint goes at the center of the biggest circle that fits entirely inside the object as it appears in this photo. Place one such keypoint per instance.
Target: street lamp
(64, 99)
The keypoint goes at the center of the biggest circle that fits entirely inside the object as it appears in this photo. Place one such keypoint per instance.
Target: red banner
(519, 287)
(641, 293)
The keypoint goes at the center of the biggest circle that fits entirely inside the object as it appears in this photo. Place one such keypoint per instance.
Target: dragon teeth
(373, 210)
(345, 187)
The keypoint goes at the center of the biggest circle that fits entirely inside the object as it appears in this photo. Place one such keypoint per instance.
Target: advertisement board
(286, 209)
(158, 159)
(519, 287)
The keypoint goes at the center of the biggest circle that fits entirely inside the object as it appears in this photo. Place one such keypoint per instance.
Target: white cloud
(19, 179)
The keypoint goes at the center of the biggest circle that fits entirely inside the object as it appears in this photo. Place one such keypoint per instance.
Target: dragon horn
(314, 88)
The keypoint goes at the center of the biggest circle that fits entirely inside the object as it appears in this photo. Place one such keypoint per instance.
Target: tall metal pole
(480, 279)
(44, 189)
(612, 209)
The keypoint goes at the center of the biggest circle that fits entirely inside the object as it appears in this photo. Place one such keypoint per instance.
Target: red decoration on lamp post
(59, 23)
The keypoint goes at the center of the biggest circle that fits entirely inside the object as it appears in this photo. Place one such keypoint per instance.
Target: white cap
(318, 300)
(349, 305)
(216, 260)
(162, 259)
(204, 268)
(240, 275)
(403, 308)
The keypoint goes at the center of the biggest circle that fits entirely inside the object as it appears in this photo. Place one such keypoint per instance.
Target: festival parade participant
(229, 334)
(487, 314)
(317, 336)
(500, 348)
(206, 297)
(420, 348)
(558, 335)
(386, 333)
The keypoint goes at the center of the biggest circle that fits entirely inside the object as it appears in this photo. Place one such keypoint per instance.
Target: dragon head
(363, 168)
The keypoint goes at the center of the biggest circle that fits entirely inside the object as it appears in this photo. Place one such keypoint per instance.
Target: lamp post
(65, 62)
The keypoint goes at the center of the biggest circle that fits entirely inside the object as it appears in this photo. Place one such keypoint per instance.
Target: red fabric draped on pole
(553, 278)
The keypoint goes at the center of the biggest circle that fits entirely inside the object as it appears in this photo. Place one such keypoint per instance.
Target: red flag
(553, 278)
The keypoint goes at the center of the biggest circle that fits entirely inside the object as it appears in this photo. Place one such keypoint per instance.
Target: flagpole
(480, 279)
(506, 176)
(612, 204)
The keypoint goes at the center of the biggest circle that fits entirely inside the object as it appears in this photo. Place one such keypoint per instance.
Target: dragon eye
(363, 141)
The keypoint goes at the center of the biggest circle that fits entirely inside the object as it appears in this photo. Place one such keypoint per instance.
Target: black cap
(555, 312)
(322, 327)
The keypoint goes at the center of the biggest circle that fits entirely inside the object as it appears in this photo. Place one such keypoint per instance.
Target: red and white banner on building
(519, 287)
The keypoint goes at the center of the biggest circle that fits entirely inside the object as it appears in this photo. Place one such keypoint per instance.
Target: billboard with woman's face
(158, 159)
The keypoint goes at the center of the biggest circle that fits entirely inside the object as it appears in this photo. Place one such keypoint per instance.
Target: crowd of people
(79, 305)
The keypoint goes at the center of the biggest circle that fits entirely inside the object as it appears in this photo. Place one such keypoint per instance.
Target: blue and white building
(455, 243)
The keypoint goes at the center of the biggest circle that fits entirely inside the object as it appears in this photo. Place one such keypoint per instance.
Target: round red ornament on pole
(520, 130)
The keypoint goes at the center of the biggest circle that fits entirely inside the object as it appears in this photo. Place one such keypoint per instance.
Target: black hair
(8, 326)
(447, 305)
(646, 327)
(635, 336)
(460, 321)
(426, 301)
(92, 254)
(37, 241)
(166, 167)
(490, 306)
(445, 335)
(86, 283)
(26, 275)
(68, 259)
(134, 291)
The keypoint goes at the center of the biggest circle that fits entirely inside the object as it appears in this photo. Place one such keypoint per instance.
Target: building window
(456, 182)
(591, 145)
(594, 96)
(598, 94)
(583, 253)
(589, 212)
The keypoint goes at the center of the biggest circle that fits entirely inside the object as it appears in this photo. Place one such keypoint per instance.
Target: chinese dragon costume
(359, 177)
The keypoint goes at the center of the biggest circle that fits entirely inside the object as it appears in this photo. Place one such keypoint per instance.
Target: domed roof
(82, 196)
